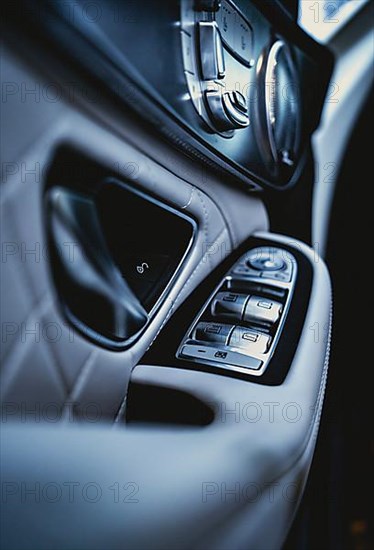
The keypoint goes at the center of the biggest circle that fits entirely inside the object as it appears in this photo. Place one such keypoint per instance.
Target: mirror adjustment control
(267, 263)
(272, 262)
(262, 310)
(212, 332)
(229, 304)
(252, 341)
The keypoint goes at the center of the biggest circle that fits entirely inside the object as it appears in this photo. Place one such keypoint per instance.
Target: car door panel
(135, 447)
(86, 373)
(187, 462)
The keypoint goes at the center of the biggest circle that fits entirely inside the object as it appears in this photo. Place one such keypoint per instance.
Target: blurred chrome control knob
(235, 105)
(228, 110)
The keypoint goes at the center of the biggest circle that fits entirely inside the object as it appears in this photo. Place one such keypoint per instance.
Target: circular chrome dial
(278, 109)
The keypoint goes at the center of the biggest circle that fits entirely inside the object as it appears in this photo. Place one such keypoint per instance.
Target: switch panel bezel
(224, 356)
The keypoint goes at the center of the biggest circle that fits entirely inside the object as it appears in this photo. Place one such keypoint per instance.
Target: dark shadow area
(336, 509)
(160, 405)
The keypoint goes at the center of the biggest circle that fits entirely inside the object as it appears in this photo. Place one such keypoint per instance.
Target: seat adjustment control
(228, 110)
(235, 105)
(218, 55)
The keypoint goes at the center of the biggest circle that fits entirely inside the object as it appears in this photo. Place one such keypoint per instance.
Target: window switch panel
(239, 326)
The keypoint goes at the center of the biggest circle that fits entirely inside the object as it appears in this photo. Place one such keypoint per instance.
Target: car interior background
(185, 206)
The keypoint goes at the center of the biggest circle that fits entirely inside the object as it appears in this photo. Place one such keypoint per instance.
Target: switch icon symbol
(141, 268)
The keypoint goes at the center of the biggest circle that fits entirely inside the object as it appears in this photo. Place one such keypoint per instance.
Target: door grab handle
(89, 282)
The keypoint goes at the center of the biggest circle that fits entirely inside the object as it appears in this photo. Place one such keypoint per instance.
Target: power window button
(229, 304)
(261, 310)
(212, 332)
(264, 305)
(251, 341)
(251, 336)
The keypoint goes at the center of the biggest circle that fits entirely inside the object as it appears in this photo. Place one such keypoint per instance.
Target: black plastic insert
(147, 239)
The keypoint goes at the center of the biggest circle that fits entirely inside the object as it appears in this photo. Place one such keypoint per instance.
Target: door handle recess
(91, 287)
